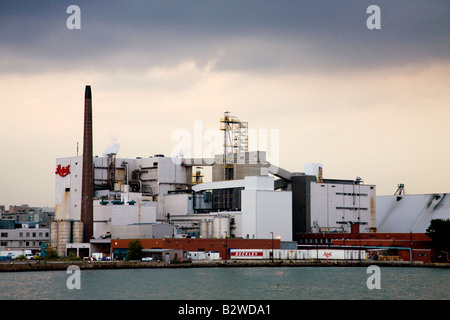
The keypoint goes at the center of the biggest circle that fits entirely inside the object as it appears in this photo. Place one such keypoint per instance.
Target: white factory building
(248, 197)
(117, 180)
(257, 202)
(335, 204)
(127, 191)
(256, 210)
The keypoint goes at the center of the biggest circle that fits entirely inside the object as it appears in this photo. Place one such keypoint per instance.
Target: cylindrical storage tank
(63, 232)
(210, 228)
(54, 234)
(77, 232)
(204, 229)
(221, 226)
(64, 236)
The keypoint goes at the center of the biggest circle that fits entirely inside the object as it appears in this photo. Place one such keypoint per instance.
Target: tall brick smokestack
(87, 192)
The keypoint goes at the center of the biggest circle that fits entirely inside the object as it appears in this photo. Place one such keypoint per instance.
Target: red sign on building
(62, 171)
(246, 253)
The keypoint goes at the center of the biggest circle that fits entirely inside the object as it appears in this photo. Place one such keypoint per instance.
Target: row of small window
(352, 194)
(21, 243)
(27, 234)
(350, 208)
(325, 241)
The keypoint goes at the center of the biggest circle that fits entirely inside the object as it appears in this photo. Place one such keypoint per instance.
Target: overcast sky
(367, 103)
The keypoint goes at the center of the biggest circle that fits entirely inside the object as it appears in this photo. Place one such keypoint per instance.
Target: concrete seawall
(15, 266)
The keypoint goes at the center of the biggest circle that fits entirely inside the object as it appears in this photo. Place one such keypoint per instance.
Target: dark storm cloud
(238, 35)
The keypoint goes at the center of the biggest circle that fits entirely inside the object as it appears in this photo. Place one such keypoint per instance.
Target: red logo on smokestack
(62, 171)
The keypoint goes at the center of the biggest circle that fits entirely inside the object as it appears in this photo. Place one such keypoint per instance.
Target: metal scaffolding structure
(235, 140)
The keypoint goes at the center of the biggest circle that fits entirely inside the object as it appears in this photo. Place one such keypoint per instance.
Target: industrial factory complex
(251, 208)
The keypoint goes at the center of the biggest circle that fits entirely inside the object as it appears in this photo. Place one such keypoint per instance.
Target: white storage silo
(221, 226)
(204, 229)
(210, 228)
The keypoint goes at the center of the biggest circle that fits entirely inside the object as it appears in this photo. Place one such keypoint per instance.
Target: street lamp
(272, 244)
(226, 245)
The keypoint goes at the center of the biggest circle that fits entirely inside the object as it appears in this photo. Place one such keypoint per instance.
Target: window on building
(4, 234)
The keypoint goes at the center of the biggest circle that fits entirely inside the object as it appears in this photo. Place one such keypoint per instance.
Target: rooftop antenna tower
(235, 140)
(400, 190)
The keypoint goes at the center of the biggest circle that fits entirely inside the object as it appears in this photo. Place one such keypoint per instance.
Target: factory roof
(411, 213)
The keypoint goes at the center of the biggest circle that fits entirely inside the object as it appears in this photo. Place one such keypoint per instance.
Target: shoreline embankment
(45, 265)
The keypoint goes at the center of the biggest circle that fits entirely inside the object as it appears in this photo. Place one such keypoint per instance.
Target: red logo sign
(327, 254)
(62, 171)
(246, 254)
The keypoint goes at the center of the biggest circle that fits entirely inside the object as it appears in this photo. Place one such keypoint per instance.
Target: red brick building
(120, 246)
(390, 244)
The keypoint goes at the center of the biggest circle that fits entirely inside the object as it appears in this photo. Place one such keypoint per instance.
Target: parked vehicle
(147, 259)
(14, 254)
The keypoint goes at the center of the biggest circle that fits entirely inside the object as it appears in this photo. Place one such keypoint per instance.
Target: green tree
(52, 254)
(439, 232)
(135, 250)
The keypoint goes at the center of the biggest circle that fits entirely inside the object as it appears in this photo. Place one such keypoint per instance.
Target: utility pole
(272, 245)
(226, 246)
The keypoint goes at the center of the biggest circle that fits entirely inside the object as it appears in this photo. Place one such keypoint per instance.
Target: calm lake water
(262, 283)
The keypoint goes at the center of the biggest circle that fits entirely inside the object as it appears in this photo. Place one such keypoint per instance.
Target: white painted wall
(265, 211)
(248, 208)
(328, 199)
(107, 216)
(142, 231)
(68, 203)
(179, 204)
